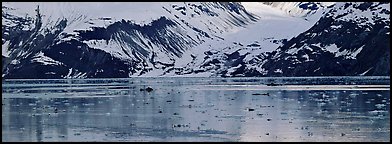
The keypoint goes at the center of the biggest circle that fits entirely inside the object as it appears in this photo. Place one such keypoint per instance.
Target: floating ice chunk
(380, 105)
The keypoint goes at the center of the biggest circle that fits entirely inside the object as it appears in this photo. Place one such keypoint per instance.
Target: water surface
(197, 109)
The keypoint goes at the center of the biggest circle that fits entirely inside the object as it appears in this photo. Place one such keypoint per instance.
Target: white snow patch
(362, 74)
(306, 57)
(4, 49)
(154, 73)
(233, 69)
(355, 53)
(336, 27)
(77, 75)
(41, 58)
(69, 73)
(316, 69)
(355, 14)
(346, 53)
(333, 48)
(278, 71)
(15, 62)
(349, 54)
(292, 51)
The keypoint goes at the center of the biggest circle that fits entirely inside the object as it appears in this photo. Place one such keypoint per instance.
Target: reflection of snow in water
(194, 109)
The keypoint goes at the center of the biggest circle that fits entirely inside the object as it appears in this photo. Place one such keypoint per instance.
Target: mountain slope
(84, 44)
(351, 39)
(218, 39)
(272, 30)
(348, 39)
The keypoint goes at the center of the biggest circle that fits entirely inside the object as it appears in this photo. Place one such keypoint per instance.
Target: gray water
(197, 109)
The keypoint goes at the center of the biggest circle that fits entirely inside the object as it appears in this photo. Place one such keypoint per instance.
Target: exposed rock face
(343, 42)
(346, 39)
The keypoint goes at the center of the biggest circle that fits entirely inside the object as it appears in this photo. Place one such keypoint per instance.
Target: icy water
(197, 109)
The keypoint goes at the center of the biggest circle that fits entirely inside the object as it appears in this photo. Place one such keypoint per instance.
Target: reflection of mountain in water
(116, 110)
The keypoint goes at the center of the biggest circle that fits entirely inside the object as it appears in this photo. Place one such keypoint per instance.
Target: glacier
(206, 39)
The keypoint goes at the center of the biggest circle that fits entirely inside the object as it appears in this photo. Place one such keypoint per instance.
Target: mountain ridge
(195, 39)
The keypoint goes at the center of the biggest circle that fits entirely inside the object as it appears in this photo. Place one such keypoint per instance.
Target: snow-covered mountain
(86, 40)
(299, 8)
(108, 39)
(350, 39)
